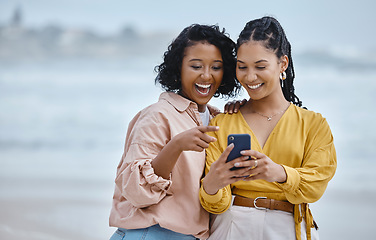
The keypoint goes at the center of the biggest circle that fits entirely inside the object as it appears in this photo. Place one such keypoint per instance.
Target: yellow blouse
(301, 142)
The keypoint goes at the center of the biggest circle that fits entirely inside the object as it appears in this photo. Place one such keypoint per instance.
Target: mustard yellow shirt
(301, 142)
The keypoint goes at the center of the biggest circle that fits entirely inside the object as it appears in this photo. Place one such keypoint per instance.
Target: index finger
(208, 128)
(226, 152)
(253, 153)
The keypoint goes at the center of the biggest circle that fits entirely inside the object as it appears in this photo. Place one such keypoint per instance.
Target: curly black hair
(169, 72)
(270, 32)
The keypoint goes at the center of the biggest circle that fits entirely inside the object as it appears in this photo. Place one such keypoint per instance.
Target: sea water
(63, 124)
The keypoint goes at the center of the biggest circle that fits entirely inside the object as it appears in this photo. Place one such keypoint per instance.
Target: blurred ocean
(63, 124)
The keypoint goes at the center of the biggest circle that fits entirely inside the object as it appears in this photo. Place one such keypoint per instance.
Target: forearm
(165, 161)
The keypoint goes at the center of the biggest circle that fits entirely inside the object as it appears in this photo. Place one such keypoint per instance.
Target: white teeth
(203, 85)
(254, 86)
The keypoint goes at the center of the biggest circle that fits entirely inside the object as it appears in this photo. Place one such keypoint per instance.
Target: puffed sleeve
(308, 182)
(221, 201)
(135, 175)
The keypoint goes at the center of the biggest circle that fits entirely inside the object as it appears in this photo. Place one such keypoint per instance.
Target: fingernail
(242, 152)
(231, 144)
(214, 139)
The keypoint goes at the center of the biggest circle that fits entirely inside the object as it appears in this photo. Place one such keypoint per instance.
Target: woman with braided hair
(292, 156)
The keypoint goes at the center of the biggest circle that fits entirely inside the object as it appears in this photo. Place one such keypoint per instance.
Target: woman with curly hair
(158, 178)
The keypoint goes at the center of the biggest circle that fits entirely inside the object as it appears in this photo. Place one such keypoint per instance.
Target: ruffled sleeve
(140, 185)
(135, 178)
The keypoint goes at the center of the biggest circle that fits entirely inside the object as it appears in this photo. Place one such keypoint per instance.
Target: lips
(253, 87)
(203, 89)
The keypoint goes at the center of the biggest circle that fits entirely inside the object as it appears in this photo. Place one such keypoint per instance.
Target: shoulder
(219, 117)
(223, 118)
(151, 123)
(310, 119)
(307, 115)
(156, 112)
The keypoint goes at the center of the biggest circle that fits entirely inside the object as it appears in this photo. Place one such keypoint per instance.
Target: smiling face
(201, 73)
(258, 70)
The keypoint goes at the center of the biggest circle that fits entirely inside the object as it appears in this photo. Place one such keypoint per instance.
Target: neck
(201, 108)
(267, 106)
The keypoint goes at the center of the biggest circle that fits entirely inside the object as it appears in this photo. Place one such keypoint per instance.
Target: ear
(284, 63)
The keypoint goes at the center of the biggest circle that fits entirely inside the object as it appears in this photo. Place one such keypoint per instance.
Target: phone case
(241, 142)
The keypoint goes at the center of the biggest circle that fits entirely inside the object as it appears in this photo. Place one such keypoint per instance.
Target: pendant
(269, 118)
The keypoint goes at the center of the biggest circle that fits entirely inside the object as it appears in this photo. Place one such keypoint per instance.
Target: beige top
(141, 198)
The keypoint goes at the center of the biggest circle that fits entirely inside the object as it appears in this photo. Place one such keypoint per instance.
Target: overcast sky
(316, 23)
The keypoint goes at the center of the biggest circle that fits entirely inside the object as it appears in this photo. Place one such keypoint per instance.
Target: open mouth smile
(203, 88)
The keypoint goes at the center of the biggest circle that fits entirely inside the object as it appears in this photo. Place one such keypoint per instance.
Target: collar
(180, 103)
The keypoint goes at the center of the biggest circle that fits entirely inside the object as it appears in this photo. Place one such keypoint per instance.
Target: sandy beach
(57, 205)
(51, 219)
(41, 201)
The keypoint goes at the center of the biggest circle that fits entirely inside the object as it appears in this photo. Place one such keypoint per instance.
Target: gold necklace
(269, 118)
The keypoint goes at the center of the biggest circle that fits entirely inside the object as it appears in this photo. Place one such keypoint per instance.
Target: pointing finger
(208, 128)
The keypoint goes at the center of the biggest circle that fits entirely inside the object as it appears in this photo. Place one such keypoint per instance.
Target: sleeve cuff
(292, 181)
(211, 198)
(150, 177)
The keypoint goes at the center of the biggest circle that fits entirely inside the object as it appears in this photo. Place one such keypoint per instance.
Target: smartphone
(241, 142)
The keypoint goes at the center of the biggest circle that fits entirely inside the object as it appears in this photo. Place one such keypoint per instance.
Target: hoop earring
(282, 75)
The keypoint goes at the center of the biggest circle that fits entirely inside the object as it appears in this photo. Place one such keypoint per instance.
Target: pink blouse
(142, 198)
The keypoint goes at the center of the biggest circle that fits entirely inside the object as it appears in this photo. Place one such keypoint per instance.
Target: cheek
(239, 75)
(218, 76)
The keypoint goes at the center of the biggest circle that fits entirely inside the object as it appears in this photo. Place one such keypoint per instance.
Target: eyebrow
(259, 61)
(197, 59)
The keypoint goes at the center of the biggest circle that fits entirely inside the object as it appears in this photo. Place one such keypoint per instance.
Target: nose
(206, 75)
(251, 75)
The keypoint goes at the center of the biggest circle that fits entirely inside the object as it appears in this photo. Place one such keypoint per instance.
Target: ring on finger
(255, 164)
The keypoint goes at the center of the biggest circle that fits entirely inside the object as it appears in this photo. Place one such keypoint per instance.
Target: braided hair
(270, 32)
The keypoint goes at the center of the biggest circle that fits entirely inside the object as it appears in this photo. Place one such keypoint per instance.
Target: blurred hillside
(53, 41)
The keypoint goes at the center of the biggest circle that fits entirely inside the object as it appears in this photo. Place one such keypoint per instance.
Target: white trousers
(249, 223)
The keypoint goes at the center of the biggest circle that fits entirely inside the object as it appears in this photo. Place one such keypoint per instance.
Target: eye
(260, 67)
(217, 68)
(196, 67)
(242, 67)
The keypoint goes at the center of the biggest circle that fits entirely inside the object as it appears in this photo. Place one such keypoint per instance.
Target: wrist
(209, 190)
(283, 176)
(174, 147)
(175, 144)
